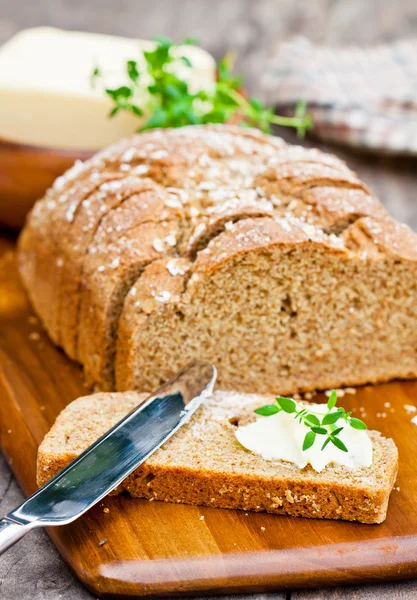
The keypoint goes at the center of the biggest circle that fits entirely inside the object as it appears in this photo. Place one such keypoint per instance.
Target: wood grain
(149, 548)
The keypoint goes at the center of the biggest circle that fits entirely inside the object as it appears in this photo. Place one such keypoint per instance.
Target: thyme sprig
(317, 423)
(171, 103)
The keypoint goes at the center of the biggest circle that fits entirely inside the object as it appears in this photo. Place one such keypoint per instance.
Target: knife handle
(11, 532)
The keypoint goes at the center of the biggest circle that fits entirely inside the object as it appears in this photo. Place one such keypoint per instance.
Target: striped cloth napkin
(361, 97)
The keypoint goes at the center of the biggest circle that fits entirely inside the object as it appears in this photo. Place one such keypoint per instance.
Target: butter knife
(105, 464)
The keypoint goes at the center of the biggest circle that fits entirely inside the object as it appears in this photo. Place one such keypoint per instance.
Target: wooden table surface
(33, 569)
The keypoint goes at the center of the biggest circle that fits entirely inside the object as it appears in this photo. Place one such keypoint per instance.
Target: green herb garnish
(170, 103)
(317, 423)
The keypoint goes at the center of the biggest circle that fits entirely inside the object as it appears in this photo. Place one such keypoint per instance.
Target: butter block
(46, 96)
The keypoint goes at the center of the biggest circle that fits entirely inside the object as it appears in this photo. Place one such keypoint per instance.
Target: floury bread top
(273, 262)
(46, 93)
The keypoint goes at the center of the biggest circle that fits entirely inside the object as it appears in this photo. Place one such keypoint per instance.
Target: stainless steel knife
(105, 464)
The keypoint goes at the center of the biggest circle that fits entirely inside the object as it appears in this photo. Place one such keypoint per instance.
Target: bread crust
(40, 243)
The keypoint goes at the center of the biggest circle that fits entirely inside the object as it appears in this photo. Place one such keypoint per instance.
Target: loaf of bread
(205, 464)
(271, 261)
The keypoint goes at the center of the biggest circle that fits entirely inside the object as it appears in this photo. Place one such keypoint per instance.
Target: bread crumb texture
(204, 464)
(274, 262)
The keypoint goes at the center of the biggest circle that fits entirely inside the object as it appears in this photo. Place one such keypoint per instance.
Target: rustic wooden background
(252, 28)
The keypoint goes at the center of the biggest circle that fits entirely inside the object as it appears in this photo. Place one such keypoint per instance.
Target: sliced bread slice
(204, 464)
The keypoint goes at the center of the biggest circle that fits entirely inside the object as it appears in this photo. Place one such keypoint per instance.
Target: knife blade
(107, 462)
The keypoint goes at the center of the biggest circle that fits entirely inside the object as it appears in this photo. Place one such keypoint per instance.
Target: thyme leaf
(317, 423)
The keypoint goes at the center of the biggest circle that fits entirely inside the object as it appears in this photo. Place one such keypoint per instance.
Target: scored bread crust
(91, 213)
(204, 464)
(40, 241)
(211, 180)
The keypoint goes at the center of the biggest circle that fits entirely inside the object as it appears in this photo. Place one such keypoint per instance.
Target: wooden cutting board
(125, 547)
